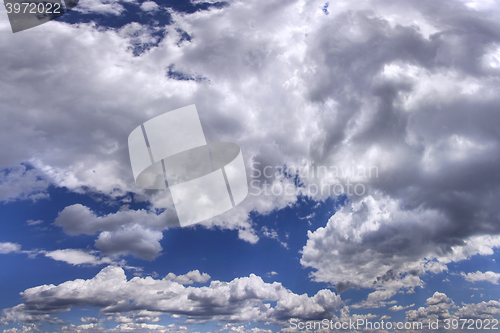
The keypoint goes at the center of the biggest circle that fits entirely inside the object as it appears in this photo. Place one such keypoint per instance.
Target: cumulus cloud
(104, 7)
(78, 219)
(489, 276)
(136, 232)
(410, 88)
(189, 278)
(441, 307)
(438, 307)
(8, 247)
(374, 243)
(149, 6)
(484, 310)
(123, 327)
(240, 300)
(135, 240)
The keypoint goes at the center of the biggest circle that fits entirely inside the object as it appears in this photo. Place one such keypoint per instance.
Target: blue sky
(406, 89)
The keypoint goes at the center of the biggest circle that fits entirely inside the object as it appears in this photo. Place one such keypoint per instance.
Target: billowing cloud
(483, 310)
(409, 89)
(78, 219)
(374, 243)
(441, 307)
(480, 276)
(124, 232)
(240, 300)
(136, 240)
(438, 307)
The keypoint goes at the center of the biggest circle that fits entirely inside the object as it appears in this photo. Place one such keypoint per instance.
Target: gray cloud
(408, 87)
(136, 240)
(354, 247)
(23, 183)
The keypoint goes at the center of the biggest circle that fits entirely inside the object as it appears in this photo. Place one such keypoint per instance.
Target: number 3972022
(33, 8)
(471, 324)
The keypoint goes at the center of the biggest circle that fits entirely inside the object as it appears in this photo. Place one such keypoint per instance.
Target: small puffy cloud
(189, 278)
(8, 247)
(438, 307)
(488, 276)
(149, 6)
(438, 298)
(136, 240)
(104, 7)
(76, 257)
(395, 308)
(135, 232)
(273, 234)
(34, 222)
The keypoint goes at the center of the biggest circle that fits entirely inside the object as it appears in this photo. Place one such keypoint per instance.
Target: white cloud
(8, 247)
(140, 242)
(489, 276)
(240, 300)
(34, 222)
(407, 88)
(484, 310)
(440, 306)
(76, 257)
(316, 116)
(273, 234)
(395, 308)
(124, 232)
(149, 6)
(105, 7)
(189, 278)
